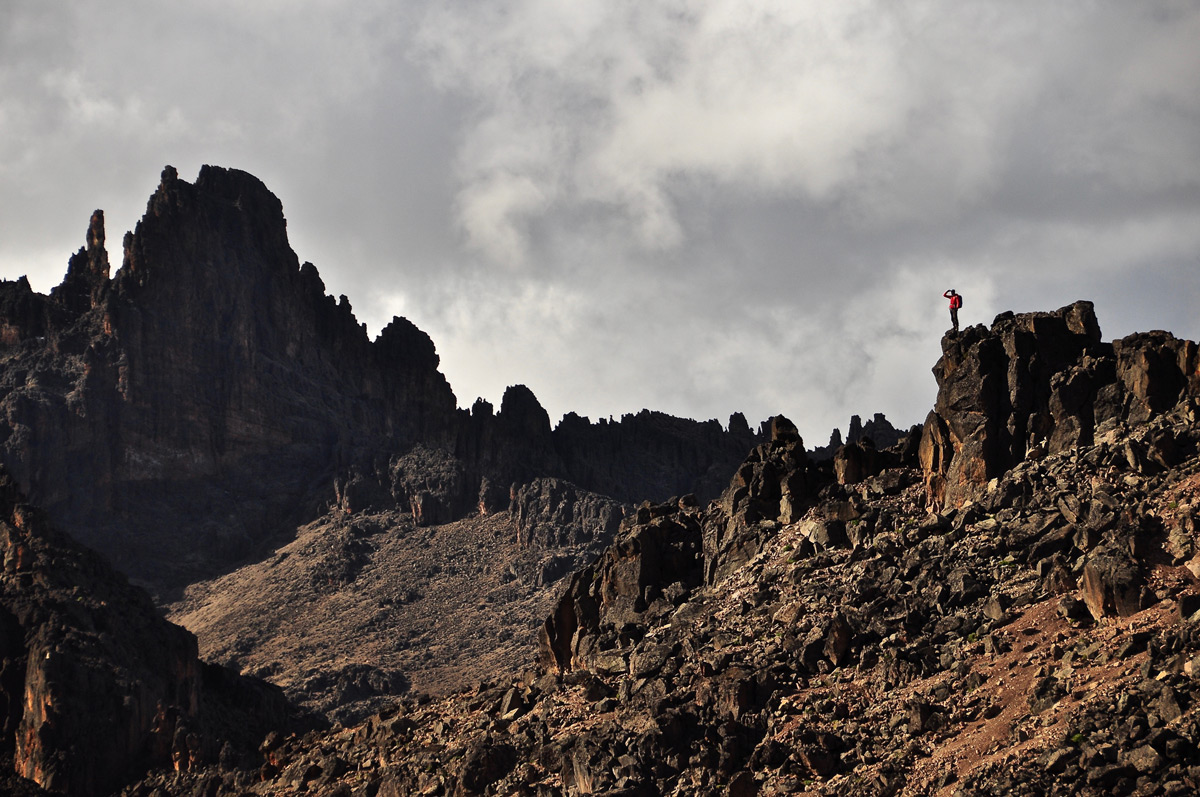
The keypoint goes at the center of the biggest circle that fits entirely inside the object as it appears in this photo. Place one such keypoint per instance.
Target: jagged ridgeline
(177, 414)
(207, 410)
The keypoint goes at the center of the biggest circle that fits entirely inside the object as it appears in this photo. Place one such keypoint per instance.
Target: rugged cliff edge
(171, 415)
(1044, 383)
(228, 435)
(1005, 601)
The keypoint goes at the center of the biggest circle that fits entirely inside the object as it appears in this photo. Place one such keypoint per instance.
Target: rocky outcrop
(94, 685)
(211, 371)
(1040, 383)
(774, 485)
(1043, 639)
(551, 513)
(560, 528)
(665, 551)
(877, 433)
(1157, 371)
(87, 273)
(647, 456)
(878, 430)
(653, 565)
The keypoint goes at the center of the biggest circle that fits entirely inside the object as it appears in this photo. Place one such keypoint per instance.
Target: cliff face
(209, 394)
(231, 346)
(651, 455)
(206, 387)
(94, 685)
(816, 628)
(1042, 383)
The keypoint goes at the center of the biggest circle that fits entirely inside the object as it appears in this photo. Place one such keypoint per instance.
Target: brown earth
(358, 609)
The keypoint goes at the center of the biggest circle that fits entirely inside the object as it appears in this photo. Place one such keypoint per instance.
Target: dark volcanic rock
(1156, 370)
(878, 431)
(801, 635)
(87, 272)
(652, 456)
(560, 528)
(658, 546)
(775, 483)
(94, 685)
(994, 395)
(815, 628)
(1039, 383)
(551, 513)
(211, 371)
(1112, 584)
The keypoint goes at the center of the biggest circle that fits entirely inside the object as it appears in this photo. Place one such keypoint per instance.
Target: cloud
(614, 106)
(778, 158)
(99, 99)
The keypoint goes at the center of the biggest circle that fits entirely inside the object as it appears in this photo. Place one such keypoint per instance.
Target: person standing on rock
(955, 303)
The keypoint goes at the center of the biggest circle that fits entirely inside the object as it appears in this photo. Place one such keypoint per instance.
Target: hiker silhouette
(955, 303)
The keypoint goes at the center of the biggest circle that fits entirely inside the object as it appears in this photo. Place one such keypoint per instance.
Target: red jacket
(955, 299)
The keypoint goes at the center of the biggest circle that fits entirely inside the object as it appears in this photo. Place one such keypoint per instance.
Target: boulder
(775, 484)
(1156, 370)
(551, 513)
(1112, 584)
(657, 548)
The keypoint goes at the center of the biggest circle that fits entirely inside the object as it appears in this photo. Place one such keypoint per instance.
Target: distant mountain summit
(178, 413)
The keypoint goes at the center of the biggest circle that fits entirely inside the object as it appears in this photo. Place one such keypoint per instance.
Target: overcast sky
(697, 207)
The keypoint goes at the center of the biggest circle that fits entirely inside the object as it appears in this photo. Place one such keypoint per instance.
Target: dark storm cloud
(700, 208)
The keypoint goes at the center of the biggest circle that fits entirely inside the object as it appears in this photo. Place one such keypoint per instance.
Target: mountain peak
(213, 369)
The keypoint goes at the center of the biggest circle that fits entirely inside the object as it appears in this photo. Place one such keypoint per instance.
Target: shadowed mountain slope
(208, 396)
(1006, 601)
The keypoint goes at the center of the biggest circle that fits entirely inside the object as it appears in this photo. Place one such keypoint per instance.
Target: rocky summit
(180, 415)
(393, 596)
